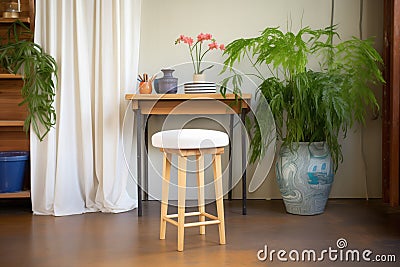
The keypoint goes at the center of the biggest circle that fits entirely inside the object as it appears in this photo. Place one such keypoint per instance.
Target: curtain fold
(80, 166)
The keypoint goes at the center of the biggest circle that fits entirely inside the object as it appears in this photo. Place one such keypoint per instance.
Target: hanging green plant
(20, 55)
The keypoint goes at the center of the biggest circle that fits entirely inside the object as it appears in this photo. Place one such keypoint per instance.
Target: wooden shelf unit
(11, 20)
(10, 76)
(21, 194)
(9, 123)
(12, 116)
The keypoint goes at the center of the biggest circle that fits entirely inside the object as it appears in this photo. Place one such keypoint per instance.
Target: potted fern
(316, 89)
(19, 55)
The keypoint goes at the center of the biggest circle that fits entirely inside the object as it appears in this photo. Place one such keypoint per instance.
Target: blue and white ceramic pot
(305, 176)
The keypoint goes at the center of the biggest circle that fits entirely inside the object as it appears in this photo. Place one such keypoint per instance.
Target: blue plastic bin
(12, 170)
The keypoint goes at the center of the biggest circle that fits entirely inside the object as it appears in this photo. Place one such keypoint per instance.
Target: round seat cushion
(190, 139)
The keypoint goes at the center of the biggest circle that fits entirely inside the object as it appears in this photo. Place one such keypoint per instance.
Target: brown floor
(125, 240)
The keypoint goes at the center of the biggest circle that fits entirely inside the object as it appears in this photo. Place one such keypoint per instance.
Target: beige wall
(163, 21)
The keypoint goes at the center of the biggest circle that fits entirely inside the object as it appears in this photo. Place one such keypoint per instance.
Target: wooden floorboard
(99, 239)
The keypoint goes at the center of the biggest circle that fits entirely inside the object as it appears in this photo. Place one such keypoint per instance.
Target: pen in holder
(145, 86)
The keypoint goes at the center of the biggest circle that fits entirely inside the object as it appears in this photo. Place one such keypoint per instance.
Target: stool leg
(181, 200)
(164, 199)
(219, 196)
(200, 191)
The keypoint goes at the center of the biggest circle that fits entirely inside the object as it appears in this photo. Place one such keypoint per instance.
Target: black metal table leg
(146, 158)
(244, 162)
(139, 158)
(231, 118)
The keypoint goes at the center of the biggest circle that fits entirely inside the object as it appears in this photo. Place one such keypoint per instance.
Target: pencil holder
(145, 87)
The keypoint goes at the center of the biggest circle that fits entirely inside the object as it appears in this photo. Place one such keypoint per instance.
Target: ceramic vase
(305, 176)
(145, 87)
(167, 84)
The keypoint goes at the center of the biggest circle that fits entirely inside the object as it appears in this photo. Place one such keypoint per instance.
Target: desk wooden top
(164, 104)
(184, 96)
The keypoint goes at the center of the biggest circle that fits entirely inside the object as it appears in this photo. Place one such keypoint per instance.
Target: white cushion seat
(190, 139)
(185, 143)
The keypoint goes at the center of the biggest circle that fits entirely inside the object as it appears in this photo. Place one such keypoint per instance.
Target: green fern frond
(308, 105)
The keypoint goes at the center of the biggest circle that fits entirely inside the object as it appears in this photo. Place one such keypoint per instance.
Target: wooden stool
(185, 143)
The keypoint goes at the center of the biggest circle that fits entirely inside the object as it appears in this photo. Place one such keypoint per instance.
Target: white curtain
(80, 166)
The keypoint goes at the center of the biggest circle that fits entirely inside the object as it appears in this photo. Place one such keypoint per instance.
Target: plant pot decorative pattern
(305, 176)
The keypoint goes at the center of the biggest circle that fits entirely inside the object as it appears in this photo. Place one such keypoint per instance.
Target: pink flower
(185, 39)
(203, 37)
(188, 40)
(213, 45)
(222, 46)
(180, 39)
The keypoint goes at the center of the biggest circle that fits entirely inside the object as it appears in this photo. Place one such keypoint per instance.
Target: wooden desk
(145, 105)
